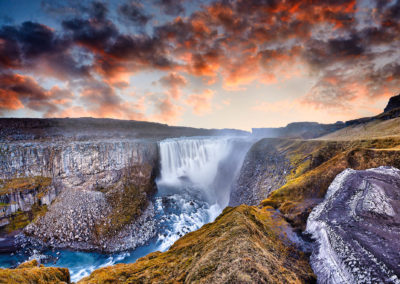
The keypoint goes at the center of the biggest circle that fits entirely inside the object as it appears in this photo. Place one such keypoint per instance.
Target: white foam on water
(196, 176)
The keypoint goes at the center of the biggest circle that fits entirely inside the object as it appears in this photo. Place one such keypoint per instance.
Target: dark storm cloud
(17, 91)
(346, 46)
(95, 34)
(98, 10)
(134, 13)
(237, 41)
(25, 45)
(171, 7)
(320, 53)
(113, 50)
(33, 39)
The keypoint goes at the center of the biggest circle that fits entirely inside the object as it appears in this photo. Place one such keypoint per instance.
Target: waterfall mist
(195, 181)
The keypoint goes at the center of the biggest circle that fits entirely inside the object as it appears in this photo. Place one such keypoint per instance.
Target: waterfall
(195, 181)
(192, 165)
(194, 186)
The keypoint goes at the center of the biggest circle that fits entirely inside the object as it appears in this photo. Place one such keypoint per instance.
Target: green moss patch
(24, 183)
(127, 199)
(20, 220)
(316, 163)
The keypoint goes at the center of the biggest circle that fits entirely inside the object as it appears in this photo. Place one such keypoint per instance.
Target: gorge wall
(91, 182)
(294, 175)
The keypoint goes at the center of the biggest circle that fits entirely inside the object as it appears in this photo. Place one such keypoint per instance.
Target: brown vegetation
(127, 199)
(316, 163)
(24, 183)
(31, 272)
(243, 245)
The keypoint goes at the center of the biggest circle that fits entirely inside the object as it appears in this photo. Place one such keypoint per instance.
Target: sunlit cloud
(344, 51)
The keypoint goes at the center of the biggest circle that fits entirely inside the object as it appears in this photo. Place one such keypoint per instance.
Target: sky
(213, 64)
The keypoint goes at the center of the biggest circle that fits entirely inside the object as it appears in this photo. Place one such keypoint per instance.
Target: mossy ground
(24, 183)
(374, 129)
(244, 245)
(127, 199)
(18, 220)
(316, 163)
(31, 272)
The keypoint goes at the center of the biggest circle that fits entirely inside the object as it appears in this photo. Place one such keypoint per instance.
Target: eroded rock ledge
(357, 228)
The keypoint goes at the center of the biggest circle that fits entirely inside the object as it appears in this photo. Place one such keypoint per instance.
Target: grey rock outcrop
(89, 164)
(22, 200)
(394, 102)
(264, 169)
(85, 176)
(357, 228)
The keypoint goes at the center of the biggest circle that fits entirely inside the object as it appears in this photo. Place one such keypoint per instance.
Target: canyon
(202, 205)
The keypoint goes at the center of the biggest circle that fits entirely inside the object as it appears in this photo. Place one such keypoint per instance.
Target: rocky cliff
(264, 169)
(102, 186)
(23, 199)
(357, 228)
(394, 103)
(293, 175)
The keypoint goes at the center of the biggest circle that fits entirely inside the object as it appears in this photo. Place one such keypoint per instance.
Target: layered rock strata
(100, 189)
(357, 228)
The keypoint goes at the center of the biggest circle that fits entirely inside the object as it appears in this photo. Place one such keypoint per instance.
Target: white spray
(198, 171)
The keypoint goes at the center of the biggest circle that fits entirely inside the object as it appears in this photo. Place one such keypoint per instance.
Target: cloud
(173, 82)
(171, 7)
(17, 91)
(201, 102)
(134, 13)
(349, 48)
(167, 111)
(24, 46)
(101, 100)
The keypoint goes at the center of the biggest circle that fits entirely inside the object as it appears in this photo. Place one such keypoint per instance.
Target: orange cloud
(173, 82)
(167, 111)
(201, 103)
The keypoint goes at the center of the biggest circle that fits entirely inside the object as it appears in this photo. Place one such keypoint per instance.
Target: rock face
(243, 245)
(22, 198)
(357, 228)
(264, 169)
(394, 103)
(88, 165)
(105, 187)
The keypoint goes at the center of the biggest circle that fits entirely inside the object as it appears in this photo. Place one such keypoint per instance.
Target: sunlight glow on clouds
(205, 64)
